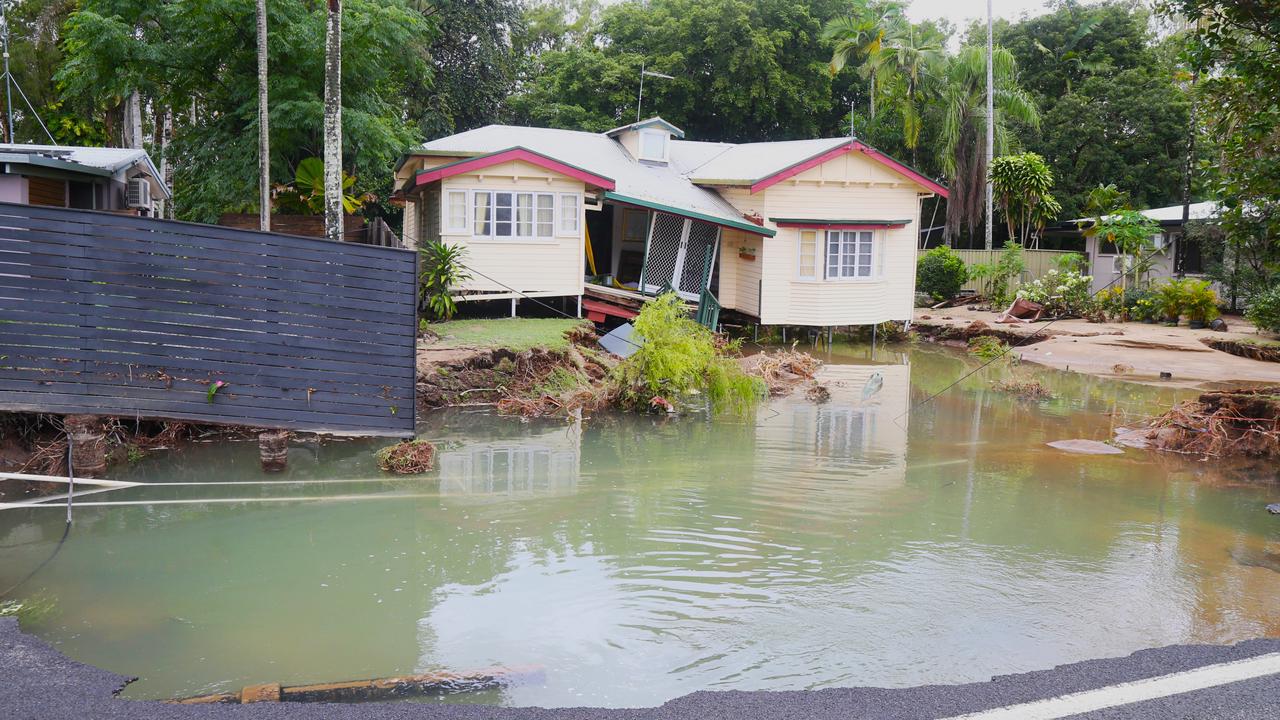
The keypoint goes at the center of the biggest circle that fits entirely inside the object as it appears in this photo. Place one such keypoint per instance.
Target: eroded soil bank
(1135, 352)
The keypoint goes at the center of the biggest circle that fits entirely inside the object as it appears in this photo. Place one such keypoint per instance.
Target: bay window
(503, 214)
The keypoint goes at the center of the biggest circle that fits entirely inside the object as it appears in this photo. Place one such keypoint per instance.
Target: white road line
(224, 501)
(65, 480)
(1133, 692)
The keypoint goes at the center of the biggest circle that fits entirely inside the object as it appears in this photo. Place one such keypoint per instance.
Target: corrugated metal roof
(109, 160)
(1173, 213)
(654, 121)
(750, 162)
(599, 154)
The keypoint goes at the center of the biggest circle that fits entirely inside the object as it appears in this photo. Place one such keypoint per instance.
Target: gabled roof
(761, 165)
(99, 161)
(676, 187)
(651, 122)
(479, 162)
(600, 155)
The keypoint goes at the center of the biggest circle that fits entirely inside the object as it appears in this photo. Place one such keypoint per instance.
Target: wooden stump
(273, 450)
(88, 445)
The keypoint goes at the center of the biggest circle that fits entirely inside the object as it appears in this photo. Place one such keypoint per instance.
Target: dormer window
(653, 144)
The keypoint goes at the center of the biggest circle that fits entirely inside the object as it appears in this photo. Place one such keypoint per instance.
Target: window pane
(546, 215)
(524, 214)
(483, 215)
(457, 218)
(808, 253)
(502, 214)
(569, 213)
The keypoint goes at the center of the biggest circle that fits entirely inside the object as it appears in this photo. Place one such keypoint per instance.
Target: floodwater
(636, 559)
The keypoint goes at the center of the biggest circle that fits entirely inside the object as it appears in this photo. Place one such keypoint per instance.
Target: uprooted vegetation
(679, 365)
(1241, 423)
(1024, 387)
(407, 458)
(37, 444)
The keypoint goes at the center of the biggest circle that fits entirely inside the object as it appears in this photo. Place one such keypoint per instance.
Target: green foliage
(1115, 107)
(1063, 294)
(197, 63)
(1131, 233)
(679, 358)
(743, 71)
(987, 347)
(1071, 262)
(941, 273)
(1199, 301)
(1022, 185)
(1110, 303)
(305, 195)
(31, 611)
(1264, 310)
(995, 277)
(443, 269)
(963, 127)
(1169, 299)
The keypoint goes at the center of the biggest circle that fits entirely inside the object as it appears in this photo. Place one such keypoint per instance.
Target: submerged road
(1200, 682)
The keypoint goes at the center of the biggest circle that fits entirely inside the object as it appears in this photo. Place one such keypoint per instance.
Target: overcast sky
(961, 12)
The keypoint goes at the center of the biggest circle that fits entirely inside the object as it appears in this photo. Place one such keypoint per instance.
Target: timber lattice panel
(118, 315)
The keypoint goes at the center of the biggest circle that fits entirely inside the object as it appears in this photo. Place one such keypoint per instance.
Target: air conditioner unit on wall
(138, 193)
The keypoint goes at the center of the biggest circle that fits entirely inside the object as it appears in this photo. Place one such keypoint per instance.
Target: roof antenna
(10, 83)
(643, 72)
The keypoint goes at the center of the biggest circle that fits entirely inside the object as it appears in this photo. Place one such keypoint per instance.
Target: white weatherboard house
(806, 232)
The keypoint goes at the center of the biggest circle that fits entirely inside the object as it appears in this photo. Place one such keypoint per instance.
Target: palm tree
(912, 61)
(264, 138)
(333, 122)
(860, 35)
(962, 142)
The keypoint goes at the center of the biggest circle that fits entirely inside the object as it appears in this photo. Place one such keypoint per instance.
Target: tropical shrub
(1110, 304)
(993, 278)
(679, 358)
(941, 273)
(1022, 185)
(1146, 309)
(1264, 310)
(443, 269)
(1072, 262)
(1061, 293)
(305, 195)
(1199, 301)
(1169, 299)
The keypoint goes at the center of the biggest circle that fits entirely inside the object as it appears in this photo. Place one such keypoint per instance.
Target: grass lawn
(511, 333)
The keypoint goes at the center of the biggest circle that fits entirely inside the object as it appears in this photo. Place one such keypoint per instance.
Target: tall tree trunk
(160, 141)
(166, 167)
(333, 123)
(133, 121)
(264, 138)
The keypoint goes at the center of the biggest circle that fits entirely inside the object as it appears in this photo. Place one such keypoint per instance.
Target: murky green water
(638, 559)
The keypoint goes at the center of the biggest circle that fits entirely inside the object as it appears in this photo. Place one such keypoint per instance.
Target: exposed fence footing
(273, 450)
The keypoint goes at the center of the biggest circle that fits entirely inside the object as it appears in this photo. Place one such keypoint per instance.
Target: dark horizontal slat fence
(118, 315)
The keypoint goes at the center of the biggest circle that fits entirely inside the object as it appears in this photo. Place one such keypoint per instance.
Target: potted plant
(1169, 301)
(1200, 303)
(746, 252)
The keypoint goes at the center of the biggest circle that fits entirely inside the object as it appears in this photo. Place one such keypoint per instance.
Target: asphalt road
(38, 682)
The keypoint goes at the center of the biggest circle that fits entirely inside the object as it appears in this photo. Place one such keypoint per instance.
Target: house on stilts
(816, 233)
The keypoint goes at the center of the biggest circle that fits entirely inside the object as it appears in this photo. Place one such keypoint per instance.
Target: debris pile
(783, 370)
(1244, 423)
(1025, 387)
(407, 458)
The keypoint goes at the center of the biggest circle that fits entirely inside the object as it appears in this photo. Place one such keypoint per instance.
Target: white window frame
(873, 265)
(666, 144)
(569, 222)
(810, 273)
(445, 227)
(516, 235)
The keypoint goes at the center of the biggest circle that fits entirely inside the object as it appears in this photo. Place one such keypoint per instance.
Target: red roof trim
(800, 167)
(841, 226)
(839, 150)
(898, 167)
(518, 153)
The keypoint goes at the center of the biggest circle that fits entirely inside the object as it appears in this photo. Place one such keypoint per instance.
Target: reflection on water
(641, 558)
